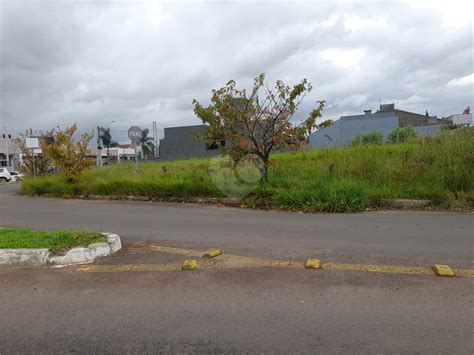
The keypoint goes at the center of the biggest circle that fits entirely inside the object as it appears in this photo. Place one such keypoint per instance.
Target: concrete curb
(386, 204)
(383, 205)
(79, 255)
(24, 256)
(228, 201)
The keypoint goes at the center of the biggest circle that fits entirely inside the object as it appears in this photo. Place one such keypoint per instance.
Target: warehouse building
(181, 143)
(385, 120)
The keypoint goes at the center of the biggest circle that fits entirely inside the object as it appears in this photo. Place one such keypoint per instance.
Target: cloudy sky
(135, 62)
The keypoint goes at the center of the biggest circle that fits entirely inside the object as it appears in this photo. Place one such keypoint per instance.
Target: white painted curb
(79, 255)
(24, 256)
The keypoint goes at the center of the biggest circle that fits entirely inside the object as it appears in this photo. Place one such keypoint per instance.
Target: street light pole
(34, 164)
(136, 156)
(6, 147)
(108, 147)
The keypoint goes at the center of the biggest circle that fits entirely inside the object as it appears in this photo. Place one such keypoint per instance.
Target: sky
(135, 62)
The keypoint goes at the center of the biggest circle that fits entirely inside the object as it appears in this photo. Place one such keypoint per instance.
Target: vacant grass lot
(440, 169)
(55, 241)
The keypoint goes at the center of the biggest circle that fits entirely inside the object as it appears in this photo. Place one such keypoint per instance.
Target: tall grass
(335, 180)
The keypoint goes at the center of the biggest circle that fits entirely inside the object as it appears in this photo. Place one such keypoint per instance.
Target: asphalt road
(272, 310)
(367, 237)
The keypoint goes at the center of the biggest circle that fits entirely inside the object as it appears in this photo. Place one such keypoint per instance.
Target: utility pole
(99, 149)
(136, 156)
(155, 138)
(34, 164)
(5, 136)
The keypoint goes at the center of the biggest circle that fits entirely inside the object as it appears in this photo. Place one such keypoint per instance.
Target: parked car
(16, 176)
(5, 175)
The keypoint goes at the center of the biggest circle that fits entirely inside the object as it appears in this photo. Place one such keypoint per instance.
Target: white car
(5, 175)
(16, 176)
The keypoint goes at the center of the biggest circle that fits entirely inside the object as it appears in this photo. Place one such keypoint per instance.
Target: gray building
(343, 131)
(179, 143)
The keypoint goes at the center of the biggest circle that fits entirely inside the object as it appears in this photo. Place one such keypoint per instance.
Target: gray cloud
(138, 62)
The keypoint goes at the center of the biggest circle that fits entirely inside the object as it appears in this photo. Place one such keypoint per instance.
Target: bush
(69, 156)
(402, 134)
(374, 137)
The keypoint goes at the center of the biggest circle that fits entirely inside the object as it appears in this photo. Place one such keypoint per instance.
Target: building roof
(406, 118)
(185, 127)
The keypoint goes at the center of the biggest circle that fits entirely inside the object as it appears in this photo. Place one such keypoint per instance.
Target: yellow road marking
(180, 251)
(228, 261)
(129, 268)
(443, 270)
(212, 253)
(134, 268)
(327, 266)
(464, 272)
(392, 269)
(242, 261)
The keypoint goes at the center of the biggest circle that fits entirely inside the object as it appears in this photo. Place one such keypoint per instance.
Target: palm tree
(148, 147)
(106, 138)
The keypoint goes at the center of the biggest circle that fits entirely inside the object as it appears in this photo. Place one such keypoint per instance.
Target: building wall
(413, 119)
(461, 119)
(427, 130)
(179, 143)
(327, 137)
(343, 131)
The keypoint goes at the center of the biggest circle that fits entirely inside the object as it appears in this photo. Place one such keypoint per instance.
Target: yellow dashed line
(139, 267)
(180, 251)
(379, 268)
(464, 272)
(231, 260)
(228, 261)
(129, 268)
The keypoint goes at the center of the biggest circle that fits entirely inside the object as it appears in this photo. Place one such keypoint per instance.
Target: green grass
(440, 169)
(55, 241)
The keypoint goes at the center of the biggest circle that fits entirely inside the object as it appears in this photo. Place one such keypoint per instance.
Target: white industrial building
(462, 119)
(116, 154)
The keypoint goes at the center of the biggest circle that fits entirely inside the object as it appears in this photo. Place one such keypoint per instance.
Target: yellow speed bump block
(442, 270)
(189, 265)
(212, 253)
(313, 264)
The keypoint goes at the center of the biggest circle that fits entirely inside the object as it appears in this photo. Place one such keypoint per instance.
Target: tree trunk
(264, 171)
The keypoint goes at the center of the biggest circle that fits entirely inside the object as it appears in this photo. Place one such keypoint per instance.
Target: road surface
(257, 309)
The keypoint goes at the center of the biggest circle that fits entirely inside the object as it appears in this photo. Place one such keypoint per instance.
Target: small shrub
(402, 134)
(70, 157)
(374, 137)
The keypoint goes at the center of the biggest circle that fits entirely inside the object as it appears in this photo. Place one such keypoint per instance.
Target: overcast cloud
(137, 62)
